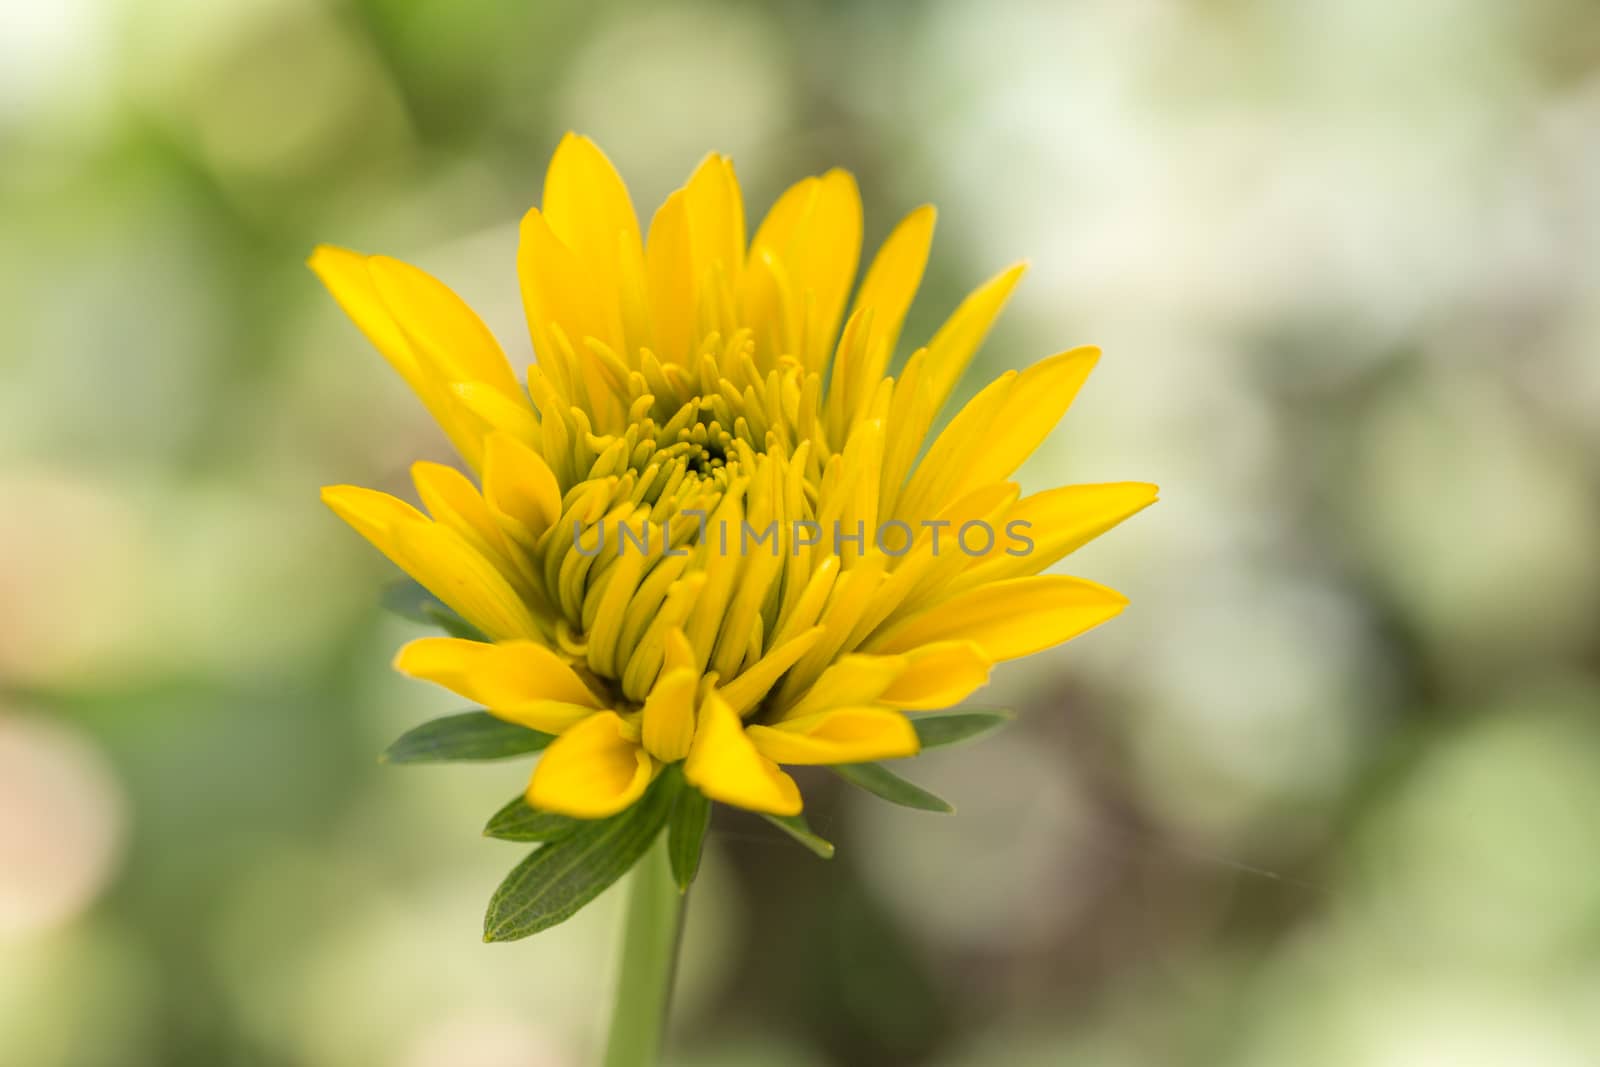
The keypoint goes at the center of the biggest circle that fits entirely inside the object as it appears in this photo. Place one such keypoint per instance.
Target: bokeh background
(1328, 794)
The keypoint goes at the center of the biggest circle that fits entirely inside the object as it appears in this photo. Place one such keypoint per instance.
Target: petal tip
(336, 496)
(326, 256)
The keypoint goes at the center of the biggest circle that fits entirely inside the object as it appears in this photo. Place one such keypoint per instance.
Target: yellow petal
(633, 299)
(518, 484)
(722, 570)
(506, 673)
(911, 411)
(1041, 529)
(940, 474)
(804, 599)
(348, 277)
(437, 557)
(670, 281)
(499, 412)
(716, 220)
(831, 257)
(668, 717)
(591, 771)
(374, 515)
(1038, 398)
(1009, 619)
(755, 681)
(724, 765)
(443, 330)
(611, 593)
(759, 572)
(649, 651)
(873, 326)
(470, 585)
(453, 500)
(345, 274)
(555, 294)
(952, 348)
(923, 575)
(843, 735)
(587, 205)
(785, 219)
(452, 662)
(813, 235)
(892, 280)
(680, 653)
(851, 680)
(938, 676)
(850, 600)
(519, 681)
(771, 307)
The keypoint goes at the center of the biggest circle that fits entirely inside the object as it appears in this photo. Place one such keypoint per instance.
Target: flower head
(710, 530)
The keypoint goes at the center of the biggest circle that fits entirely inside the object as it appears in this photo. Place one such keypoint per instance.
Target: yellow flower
(702, 531)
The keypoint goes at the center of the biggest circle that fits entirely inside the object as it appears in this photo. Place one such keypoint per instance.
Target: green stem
(649, 961)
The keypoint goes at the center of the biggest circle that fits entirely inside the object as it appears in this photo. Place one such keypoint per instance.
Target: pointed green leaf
(941, 728)
(559, 878)
(880, 781)
(471, 735)
(796, 827)
(410, 600)
(686, 834)
(518, 822)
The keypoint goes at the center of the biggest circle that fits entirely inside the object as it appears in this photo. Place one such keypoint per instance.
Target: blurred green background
(1327, 795)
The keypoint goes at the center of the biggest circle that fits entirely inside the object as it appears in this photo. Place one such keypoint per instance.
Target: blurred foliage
(1327, 794)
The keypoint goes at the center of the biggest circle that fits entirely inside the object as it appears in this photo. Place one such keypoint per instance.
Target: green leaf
(880, 781)
(410, 600)
(456, 626)
(471, 735)
(559, 878)
(518, 822)
(796, 827)
(952, 727)
(686, 834)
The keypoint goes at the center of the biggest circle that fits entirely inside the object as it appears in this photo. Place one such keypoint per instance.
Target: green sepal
(409, 600)
(940, 728)
(518, 822)
(470, 735)
(559, 878)
(880, 781)
(796, 827)
(686, 834)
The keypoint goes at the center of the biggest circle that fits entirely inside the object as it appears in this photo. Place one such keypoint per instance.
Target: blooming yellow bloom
(707, 530)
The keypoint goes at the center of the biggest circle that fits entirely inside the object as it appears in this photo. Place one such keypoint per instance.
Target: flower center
(685, 492)
(713, 455)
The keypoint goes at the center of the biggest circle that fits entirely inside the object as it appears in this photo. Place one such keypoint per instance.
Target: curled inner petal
(592, 770)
